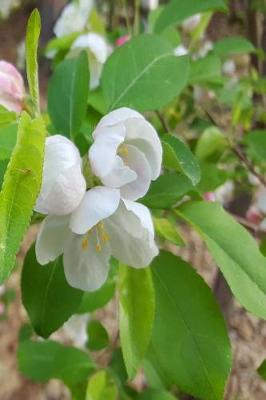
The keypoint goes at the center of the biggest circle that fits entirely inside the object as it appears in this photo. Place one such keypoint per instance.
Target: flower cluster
(89, 224)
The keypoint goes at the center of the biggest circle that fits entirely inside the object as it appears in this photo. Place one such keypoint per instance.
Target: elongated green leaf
(98, 299)
(166, 229)
(41, 361)
(167, 190)
(186, 160)
(68, 94)
(211, 144)
(6, 117)
(32, 39)
(189, 346)
(21, 186)
(256, 144)
(154, 394)
(43, 288)
(8, 137)
(144, 74)
(233, 45)
(235, 252)
(177, 11)
(136, 313)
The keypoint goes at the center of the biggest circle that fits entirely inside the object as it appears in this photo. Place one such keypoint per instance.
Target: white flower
(126, 153)
(98, 52)
(180, 50)
(229, 67)
(102, 226)
(150, 4)
(63, 184)
(73, 18)
(191, 23)
(204, 49)
(12, 90)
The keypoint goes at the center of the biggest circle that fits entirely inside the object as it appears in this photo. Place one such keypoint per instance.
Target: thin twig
(163, 122)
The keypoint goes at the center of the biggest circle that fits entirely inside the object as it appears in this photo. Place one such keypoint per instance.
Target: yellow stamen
(85, 244)
(123, 150)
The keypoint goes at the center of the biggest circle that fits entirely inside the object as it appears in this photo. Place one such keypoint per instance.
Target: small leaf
(43, 288)
(177, 11)
(235, 252)
(186, 160)
(136, 313)
(8, 137)
(146, 73)
(32, 39)
(165, 229)
(98, 336)
(41, 361)
(190, 347)
(211, 144)
(233, 45)
(206, 70)
(20, 189)
(68, 94)
(101, 386)
(256, 145)
(6, 116)
(262, 370)
(167, 190)
(156, 394)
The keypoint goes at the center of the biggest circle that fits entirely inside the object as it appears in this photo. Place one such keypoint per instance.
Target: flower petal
(120, 175)
(141, 134)
(137, 162)
(103, 152)
(63, 185)
(131, 243)
(97, 204)
(116, 117)
(84, 267)
(51, 238)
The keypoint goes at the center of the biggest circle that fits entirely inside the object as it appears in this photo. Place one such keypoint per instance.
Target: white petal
(103, 152)
(137, 162)
(141, 134)
(116, 117)
(51, 238)
(84, 267)
(120, 175)
(94, 43)
(143, 214)
(131, 243)
(63, 185)
(97, 204)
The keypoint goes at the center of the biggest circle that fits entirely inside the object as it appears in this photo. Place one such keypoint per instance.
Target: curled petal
(63, 185)
(97, 204)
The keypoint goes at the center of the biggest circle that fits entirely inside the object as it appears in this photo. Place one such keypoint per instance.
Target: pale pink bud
(254, 216)
(11, 87)
(209, 196)
(122, 40)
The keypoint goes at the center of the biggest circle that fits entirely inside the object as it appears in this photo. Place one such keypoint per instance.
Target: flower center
(102, 237)
(122, 150)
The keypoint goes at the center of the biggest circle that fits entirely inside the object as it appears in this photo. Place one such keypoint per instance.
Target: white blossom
(126, 153)
(180, 50)
(191, 23)
(150, 4)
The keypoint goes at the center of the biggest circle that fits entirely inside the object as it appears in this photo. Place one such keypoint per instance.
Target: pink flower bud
(122, 40)
(11, 87)
(209, 196)
(254, 216)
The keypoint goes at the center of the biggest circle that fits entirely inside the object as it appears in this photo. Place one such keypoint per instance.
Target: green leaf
(185, 159)
(155, 394)
(8, 137)
(144, 74)
(233, 45)
(32, 39)
(167, 190)
(68, 94)
(21, 187)
(211, 144)
(206, 70)
(256, 143)
(189, 346)
(235, 252)
(176, 11)
(43, 288)
(165, 229)
(136, 314)
(98, 336)
(101, 387)
(41, 361)
(262, 370)
(211, 177)
(3, 167)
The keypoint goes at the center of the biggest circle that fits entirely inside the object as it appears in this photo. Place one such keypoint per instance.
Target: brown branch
(242, 157)
(163, 122)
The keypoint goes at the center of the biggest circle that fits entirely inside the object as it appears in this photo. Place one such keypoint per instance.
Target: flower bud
(11, 87)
